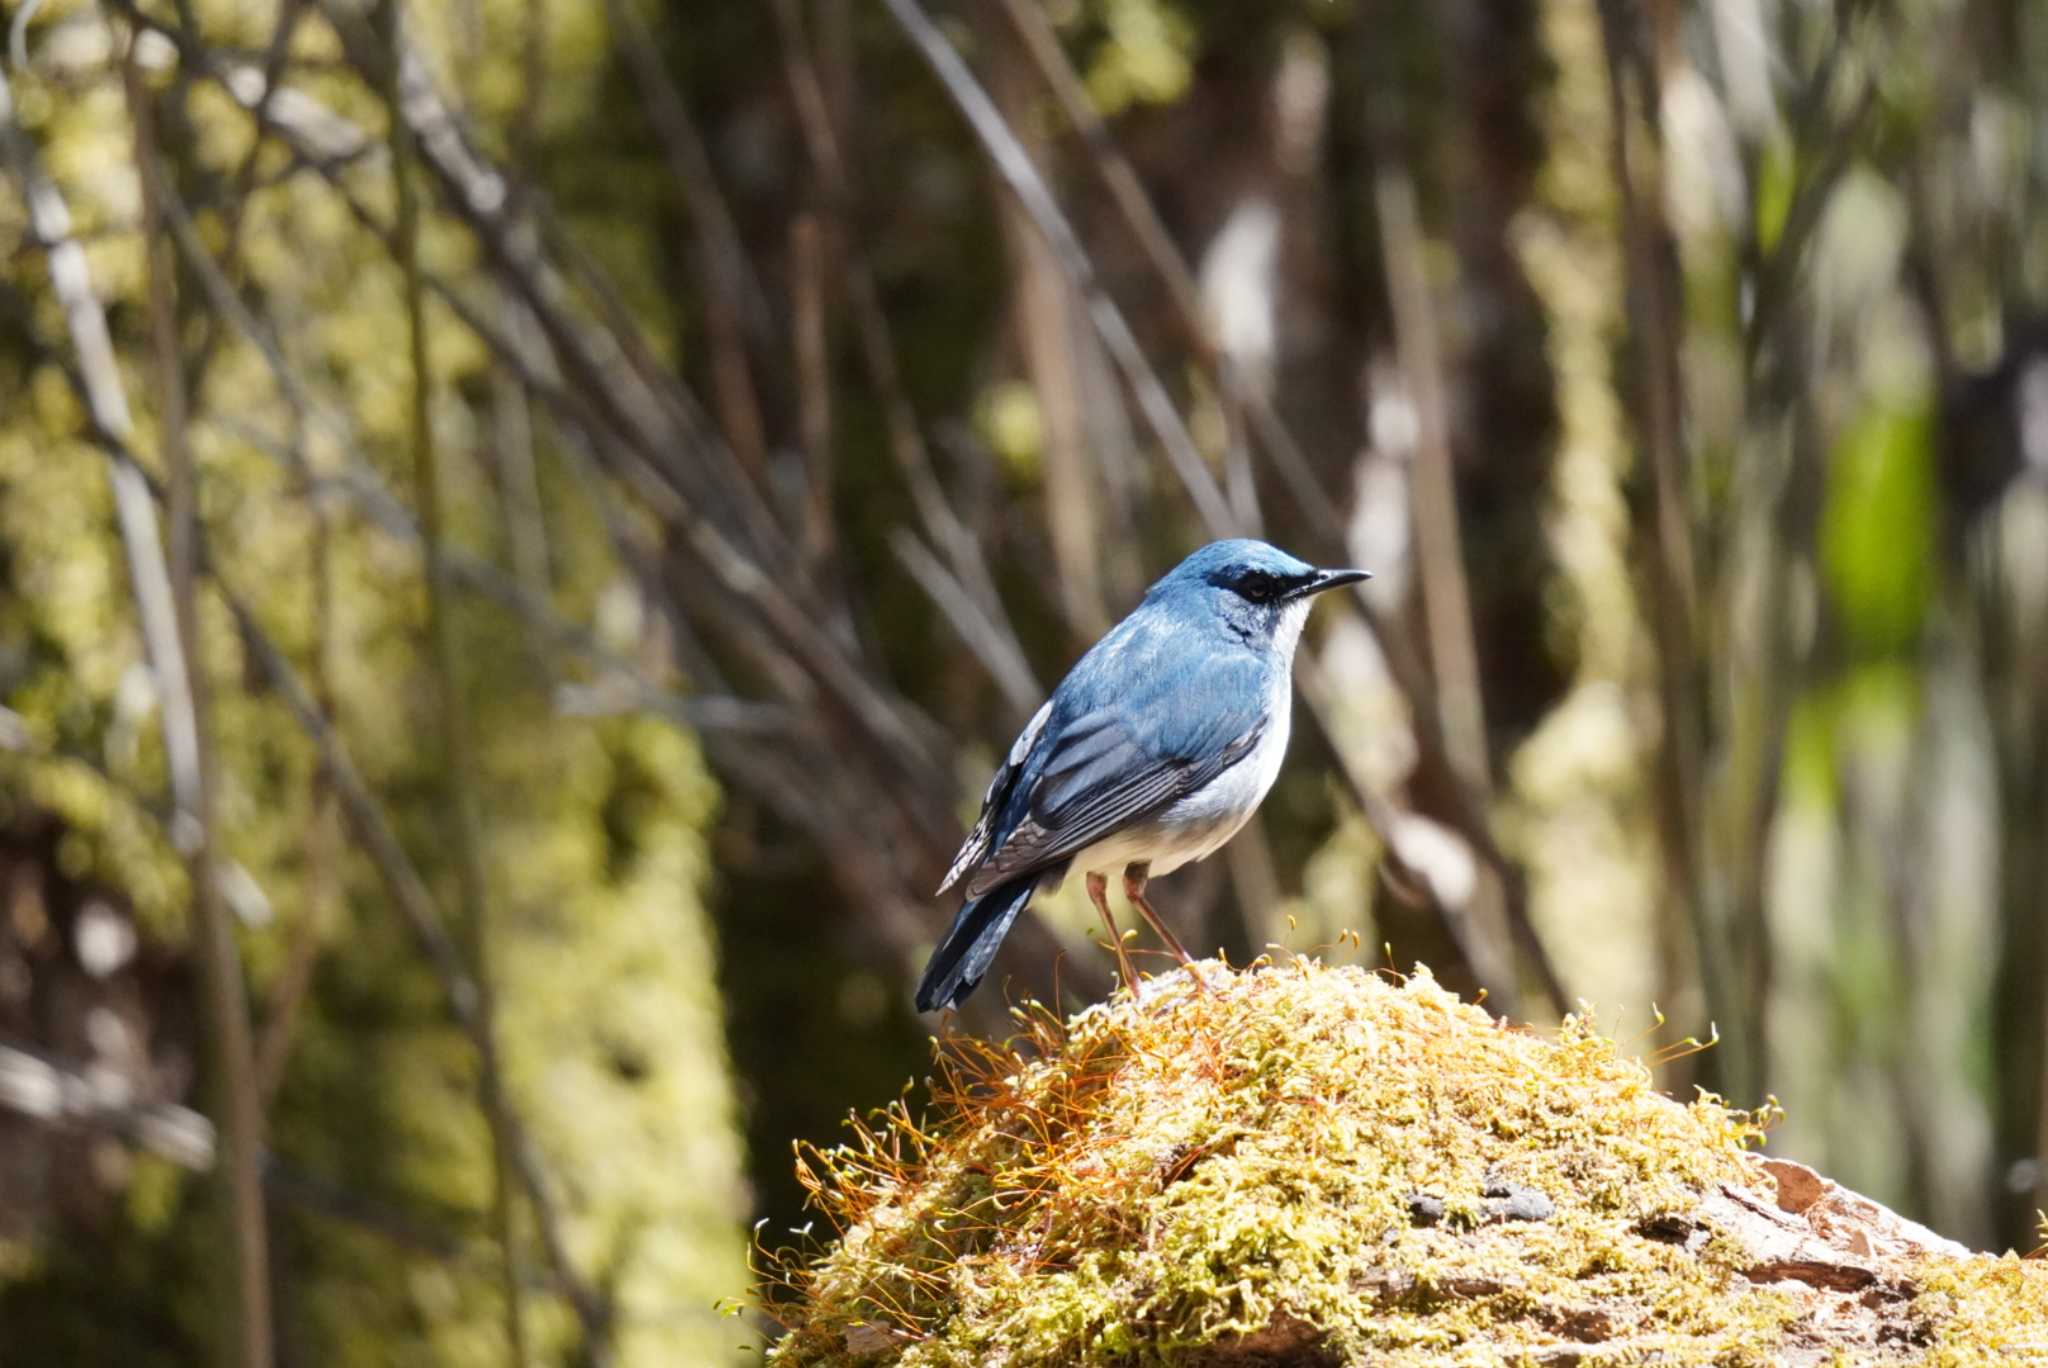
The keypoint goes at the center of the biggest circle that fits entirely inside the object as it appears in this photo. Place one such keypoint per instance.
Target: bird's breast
(1227, 802)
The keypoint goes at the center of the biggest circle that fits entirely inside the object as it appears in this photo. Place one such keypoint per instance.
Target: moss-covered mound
(1318, 1166)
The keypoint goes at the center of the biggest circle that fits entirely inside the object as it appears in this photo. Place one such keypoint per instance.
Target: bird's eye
(1257, 586)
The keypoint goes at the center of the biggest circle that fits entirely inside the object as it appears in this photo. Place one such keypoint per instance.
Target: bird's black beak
(1331, 579)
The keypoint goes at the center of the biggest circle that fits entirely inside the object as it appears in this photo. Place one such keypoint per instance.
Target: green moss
(1983, 1310)
(1150, 1180)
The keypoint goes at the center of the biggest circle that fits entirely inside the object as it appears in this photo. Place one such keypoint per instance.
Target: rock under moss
(1325, 1166)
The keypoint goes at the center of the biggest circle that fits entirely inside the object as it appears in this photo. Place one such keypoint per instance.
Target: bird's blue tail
(963, 956)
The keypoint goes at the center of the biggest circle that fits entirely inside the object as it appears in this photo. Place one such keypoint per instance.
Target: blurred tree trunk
(2016, 653)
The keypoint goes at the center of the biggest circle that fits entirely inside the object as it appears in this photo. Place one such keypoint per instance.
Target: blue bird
(1152, 752)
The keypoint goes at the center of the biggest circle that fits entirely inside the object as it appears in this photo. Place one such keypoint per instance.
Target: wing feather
(975, 848)
(1117, 782)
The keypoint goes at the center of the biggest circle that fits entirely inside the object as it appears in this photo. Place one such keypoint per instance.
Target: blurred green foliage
(1877, 533)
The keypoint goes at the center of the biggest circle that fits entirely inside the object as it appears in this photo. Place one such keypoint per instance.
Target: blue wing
(1150, 714)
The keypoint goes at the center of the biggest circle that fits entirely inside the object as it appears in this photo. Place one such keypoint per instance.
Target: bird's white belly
(1196, 825)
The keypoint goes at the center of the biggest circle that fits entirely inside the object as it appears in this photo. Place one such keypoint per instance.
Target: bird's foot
(1098, 893)
(1127, 971)
(1134, 890)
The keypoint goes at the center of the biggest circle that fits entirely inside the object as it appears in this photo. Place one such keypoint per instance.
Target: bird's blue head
(1252, 590)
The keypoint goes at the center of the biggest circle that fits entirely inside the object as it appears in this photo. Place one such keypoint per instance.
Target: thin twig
(735, 306)
(945, 528)
(322, 839)
(1022, 177)
(689, 161)
(1439, 543)
(290, 12)
(811, 345)
(512, 411)
(1675, 621)
(1127, 192)
(995, 647)
(1049, 327)
(526, 525)
(457, 774)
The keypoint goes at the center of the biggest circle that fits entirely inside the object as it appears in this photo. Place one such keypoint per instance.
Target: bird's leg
(1098, 893)
(1135, 876)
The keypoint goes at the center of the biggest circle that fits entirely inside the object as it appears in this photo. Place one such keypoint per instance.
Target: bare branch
(108, 404)
(1672, 572)
(458, 789)
(690, 164)
(1439, 544)
(1015, 166)
(943, 525)
(812, 346)
(321, 844)
(735, 305)
(1127, 192)
(1048, 322)
(995, 647)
